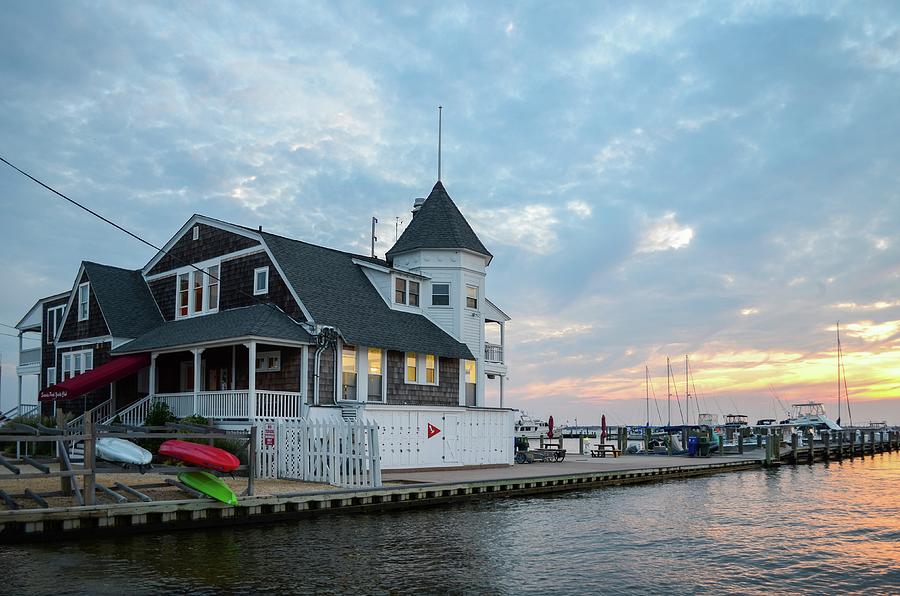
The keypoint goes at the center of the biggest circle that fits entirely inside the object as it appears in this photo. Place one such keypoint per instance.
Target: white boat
(529, 427)
(123, 452)
(811, 414)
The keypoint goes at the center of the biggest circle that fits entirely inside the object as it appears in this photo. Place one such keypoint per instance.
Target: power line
(139, 239)
(23, 337)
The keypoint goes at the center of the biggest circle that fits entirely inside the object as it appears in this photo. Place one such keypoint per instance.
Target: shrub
(159, 415)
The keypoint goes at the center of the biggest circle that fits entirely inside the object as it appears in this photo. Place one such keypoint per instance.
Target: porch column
(304, 374)
(251, 381)
(152, 379)
(502, 348)
(198, 377)
(501, 390)
(233, 368)
(19, 399)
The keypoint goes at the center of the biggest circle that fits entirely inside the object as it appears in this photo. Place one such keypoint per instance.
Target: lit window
(471, 297)
(212, 293)
(400, 291)
(268, 361)
(348, 370)
(440, 294)
(375, 374)
(184, 288)
(412, 368)
(470, 382)
(430, 369)
(84, 292)
(414, 293)
(260, 281)
(470, 371)
(198, 291)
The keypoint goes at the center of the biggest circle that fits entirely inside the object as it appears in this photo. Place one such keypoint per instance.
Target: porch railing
(29, 356)
(278, 404)
(223, 405)
(99, 414)
(136, 413)
(493, 352)
(180, 404)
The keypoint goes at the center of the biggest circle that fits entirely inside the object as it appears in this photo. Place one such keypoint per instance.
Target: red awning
(115, 369)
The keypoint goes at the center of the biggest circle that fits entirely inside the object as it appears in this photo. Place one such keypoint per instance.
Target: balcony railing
(30, 356)
(493, 352)
(232, 405)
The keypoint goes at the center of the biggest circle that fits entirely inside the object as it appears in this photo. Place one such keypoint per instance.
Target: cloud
(530, 227)
(879, 305)
(579, 208)
(746, 312)
(664, 234)
(870, 331)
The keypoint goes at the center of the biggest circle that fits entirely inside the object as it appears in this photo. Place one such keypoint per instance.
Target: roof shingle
(124, 299)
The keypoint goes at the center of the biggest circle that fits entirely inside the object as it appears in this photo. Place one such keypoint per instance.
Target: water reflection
(820, 528)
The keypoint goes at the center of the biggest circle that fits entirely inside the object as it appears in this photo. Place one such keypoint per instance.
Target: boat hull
(209, 485)
(204, 456)
(122, 451)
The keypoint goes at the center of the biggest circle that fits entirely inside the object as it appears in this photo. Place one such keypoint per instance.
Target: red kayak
(200, 455)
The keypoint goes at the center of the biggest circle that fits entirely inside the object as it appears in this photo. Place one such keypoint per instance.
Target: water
(820, 529)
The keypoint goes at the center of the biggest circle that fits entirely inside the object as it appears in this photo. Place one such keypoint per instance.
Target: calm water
(828, 528)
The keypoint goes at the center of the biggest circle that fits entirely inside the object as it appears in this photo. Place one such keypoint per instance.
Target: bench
(603, 450)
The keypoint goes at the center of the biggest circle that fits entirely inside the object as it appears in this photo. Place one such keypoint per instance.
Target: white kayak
(122, 451)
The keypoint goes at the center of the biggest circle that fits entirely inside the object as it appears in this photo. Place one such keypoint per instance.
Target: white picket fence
(328, 451)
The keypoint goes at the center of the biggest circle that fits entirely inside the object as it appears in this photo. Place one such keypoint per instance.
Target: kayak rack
(87, 433)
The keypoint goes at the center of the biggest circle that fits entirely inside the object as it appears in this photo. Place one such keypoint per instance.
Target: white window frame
(55, 314)
(365, 366)
(405, 289)
(260, 291)
(87, 301)
(420, 369)
(68, 360)
(51, 376)
(354, 371)
(192, 274)
(477, 297)
(449, 290)
(196, 233)
(264, 356)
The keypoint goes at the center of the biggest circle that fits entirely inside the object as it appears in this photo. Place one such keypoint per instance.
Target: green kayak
(210, 485)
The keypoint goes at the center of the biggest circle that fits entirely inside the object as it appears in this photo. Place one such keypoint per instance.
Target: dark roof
(336, 292)
(252, 321)
(438, 224)
(124, 299)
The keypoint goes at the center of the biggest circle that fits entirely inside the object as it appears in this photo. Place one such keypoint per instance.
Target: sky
(654, 179)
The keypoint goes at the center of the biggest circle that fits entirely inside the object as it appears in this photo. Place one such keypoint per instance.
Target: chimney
(417, 204)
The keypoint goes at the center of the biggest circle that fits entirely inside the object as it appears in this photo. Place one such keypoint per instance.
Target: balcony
(29, 362)
(493, 353)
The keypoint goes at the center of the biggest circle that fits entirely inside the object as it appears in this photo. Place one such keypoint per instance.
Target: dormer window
(260, 281)
(84, 293)
(197, 292)
(406, 292)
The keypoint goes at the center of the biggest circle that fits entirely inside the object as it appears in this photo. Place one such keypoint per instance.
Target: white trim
(195, 233)
(460, 250)
(196, 219)
(74, 343)
(290, 287)
(87, 301)
(49, 380)
(201, 269)
(72, 295)
(39, 304)
(383, 269)
(71, 356)
(227, 257)
(59, 321)
(449, 285)
(421, 372)
(223, 343)
(260, 291)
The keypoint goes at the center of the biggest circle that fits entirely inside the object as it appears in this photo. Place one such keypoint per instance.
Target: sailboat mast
(669, 389)
(838, 328)
(647, 390)
(687, 393)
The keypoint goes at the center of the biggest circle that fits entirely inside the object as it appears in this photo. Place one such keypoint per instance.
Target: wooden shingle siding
(213, 242)
(163, 291)
(288, 378)
(237, 286)
(445, 393)
(95, 326)
(48, 350)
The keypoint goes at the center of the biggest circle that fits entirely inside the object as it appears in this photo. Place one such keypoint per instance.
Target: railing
(223, 405)
(136, 413)
(28, 410)
(30, 356)
(493, 352)
(180, 404)
(99, 414)
(278, 404)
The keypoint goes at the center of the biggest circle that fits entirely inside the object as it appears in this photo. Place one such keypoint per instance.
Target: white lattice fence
(328, 451)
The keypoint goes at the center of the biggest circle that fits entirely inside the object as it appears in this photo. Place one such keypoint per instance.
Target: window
(470, 381)
(84, 292)
(400, 291)
(54, 320)
(184, 281)
(440, 294)
(76, 363)
(414, 293)
(376, 374)
(197, 292)
(472, 297)
(421, 362)
(212, 294)
(260, 281)
(412, 370)
(196, 232)
(348, 370)
(51, 376)
(268, 361)
(430, 369)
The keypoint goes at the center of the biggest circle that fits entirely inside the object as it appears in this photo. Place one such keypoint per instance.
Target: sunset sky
(714, 179)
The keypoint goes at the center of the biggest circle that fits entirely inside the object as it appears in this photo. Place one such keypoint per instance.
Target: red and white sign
(432, 430)
(269, 435)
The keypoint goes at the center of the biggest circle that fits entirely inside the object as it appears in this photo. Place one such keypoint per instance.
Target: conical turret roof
(438, 224)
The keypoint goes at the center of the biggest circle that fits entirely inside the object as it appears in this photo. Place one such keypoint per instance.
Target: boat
(122, 451)
(209, 485)
(204, 456)
(531, 428)
(736, 421)
(811, 415)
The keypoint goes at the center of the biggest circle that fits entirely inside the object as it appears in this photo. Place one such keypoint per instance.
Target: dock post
(647, 436)
(741, 443)
(89, 459)
(721, 446)
(65, 485)
(623, 439)
(809, 438)
(795, 440)
(759, 441)
(840, 450)
(826, 437)
(872, 442)
(768, 450)
(669, 443)
(251, 461)
(779, 437)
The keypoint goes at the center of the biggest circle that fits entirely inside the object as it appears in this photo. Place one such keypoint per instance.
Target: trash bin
(692, 446)
(703, 447)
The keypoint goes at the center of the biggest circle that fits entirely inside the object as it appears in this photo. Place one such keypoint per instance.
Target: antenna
(374, 237)
(669, 390)
(397, 223)
(440, 114)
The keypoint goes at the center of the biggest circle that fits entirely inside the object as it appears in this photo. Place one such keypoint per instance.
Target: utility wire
(23, 337)
(141, 240)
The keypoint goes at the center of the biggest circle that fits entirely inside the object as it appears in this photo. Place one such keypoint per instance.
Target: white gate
(328, 451)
